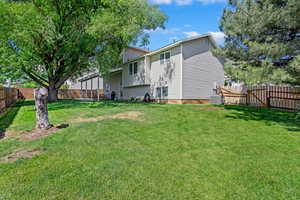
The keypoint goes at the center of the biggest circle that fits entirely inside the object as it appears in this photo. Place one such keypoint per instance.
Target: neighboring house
(182, 72)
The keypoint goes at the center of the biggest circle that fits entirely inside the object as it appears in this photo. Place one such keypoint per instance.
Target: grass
(176, 152)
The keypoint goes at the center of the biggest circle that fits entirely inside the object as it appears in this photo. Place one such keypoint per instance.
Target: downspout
(181, 71)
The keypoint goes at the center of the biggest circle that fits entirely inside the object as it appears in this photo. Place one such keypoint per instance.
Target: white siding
(96, 83)
(137, 92)
(201, 70)
(130, 54)
(77, 84)
(135, 79)
(114, 84)
(168, 74)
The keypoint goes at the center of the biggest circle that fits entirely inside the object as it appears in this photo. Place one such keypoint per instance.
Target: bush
(64, 87)
(29, 84)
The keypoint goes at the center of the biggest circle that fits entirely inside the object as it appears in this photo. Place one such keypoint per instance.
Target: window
(135, 69)
(165, 57)
(165, 91)
(158, 92)
(162, 92)
(162, 58)
(130, 69)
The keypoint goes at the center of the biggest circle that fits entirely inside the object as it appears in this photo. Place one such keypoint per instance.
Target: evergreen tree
(263, 41)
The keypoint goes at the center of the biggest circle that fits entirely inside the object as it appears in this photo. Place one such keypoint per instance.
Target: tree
(51, 41)
(8, 73)
(263, 41)
(42, 122)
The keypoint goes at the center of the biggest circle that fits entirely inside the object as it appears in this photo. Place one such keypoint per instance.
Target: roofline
(139, 49)
(136, 59)
(89, 76)
(169, 46)
(209, 35)
(115, 70)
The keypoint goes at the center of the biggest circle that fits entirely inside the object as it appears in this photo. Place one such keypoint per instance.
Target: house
(88, 81)
(183, 72)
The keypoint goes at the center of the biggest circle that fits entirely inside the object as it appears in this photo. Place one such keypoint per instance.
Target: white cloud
(212, 1)
(191, 34)
(219, 37)
(184, 2)
(161, 1)
(164, 31)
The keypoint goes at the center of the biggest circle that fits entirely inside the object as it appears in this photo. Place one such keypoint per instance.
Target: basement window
(158, 92)
(165, 91)
(162, 92)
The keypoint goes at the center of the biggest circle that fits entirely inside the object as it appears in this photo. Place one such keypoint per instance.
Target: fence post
(5, 97)
(247, 97)
(268, 98)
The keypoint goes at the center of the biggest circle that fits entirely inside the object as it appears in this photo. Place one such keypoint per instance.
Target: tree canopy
(263, 41)
(53, 40)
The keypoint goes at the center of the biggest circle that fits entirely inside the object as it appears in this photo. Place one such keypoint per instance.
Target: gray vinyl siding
(201, 70)
(192, 72)
(130, 54)
(114, 84)
(91, 84)
(130, 80)
(168, 74)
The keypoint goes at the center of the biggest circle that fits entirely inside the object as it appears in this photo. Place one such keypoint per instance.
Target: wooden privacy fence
(8, 96)
(80, 94)
(287, 98)
(28, 93)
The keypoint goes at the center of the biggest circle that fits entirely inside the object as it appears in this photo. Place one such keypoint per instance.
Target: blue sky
(187, 18)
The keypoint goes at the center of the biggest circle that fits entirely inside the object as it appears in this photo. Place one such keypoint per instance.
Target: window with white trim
(165, 57)
(158, 92)
(162, 92)
(130, 68)
(162, 58)
(165, 91)
(133, 68)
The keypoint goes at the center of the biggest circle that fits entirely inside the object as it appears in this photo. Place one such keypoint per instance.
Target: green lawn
(175, 152)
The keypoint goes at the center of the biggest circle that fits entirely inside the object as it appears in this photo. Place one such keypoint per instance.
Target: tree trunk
(53, 94)
(42, 120)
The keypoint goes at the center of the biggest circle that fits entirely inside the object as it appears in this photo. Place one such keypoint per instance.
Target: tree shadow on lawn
(71, 104)
(269, 116)
(9, 115)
